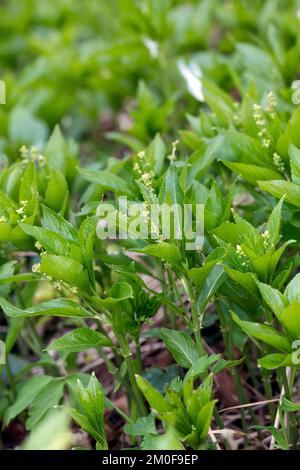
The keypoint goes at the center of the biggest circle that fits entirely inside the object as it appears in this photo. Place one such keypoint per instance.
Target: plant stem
(196, 320)
(288, 376)
(266, 376)
(135, 390)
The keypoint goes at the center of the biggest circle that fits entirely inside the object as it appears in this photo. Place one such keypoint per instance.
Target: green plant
(186, 105)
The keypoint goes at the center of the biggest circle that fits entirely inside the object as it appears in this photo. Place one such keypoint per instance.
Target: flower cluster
(278, 162)
(261, 124)
(172, 156)
(242, 256)
(32, 154)
(266, 238)
(141, 166)
(272, 103)
(21, 210)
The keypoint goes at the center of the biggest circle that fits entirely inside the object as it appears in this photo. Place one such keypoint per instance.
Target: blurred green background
(80, 64)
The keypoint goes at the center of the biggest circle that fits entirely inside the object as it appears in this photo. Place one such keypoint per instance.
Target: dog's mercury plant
(149, 242)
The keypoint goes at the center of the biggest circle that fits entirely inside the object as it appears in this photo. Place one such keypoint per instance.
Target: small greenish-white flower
(272, 103)
(239, 250)
(261, 124)
(24, 152)
(266, 234)
(38, 245)
(141, 154)
(57, 285)
(36, 155)
(266, 143)
(3, 219)
(20, 211)
(278, 162)
(242, 256)
(36, 268)
(172, 157)
(266, 237)
(146, 178)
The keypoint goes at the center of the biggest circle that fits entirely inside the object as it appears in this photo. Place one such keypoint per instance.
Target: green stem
(266, 376)
(11, 378)
(228, 341)
(291, 417)
(135, 390)
(196, 318)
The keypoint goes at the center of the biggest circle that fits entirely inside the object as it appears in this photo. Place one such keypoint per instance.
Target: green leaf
(142, 427)
(119, 292)
(6, 275)
(202, 158)
(246, 149)
(53, 198)
(15, 327)
(292, 292)
(249, 235)
(156, 153)
(212, 283)
(289, 406)
(227, 232)
(86, 238)
(168, 441)
(108, 181)
(55, 151)
(279, 436)
(290, 135)
(163, 250)
(181, 346)
(51, 434)
(28, 186)
(171, 192)
(26, 396)
(274, 361)
(204, 419)
(79, 340)
(200, 366)
(58, 224)
(280, 188)
(23, 277)
(273, 298)
(245, 280)
(50, 241)
(156, 401)
(273, 224)
(290, 319)
(66, 269)
(91, 401)
(199, 275)
(253, 173)
(56, 307)
(44, 401)
(226, 364)
(24, 127)
(264, 333)
(294, 154)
